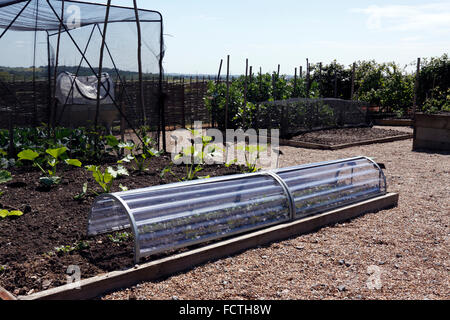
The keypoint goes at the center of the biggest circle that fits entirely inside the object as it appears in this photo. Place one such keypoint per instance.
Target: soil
(52, 218)
(347, 135)
(396, 254)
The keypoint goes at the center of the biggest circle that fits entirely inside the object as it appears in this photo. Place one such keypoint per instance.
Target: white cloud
(411, 39)
(20, 43)
(424, 17)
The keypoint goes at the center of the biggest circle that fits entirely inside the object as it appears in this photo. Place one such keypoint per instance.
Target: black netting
(5, 3)
(90, 13)
(36, 48)
(298, 115)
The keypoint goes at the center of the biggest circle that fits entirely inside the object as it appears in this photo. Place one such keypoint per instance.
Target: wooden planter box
(432, 131)
(393, 122)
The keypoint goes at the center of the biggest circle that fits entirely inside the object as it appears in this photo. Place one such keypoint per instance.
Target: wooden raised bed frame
(310, 145)
(95, 286)
(394, 122)
(432, 132)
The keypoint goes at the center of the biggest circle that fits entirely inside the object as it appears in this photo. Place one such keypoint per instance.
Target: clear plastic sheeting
(321, 187)
(182, 214)
(83, 90)
(186, 213)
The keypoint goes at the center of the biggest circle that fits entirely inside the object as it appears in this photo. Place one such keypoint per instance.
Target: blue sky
(198, 33)
(286, 32)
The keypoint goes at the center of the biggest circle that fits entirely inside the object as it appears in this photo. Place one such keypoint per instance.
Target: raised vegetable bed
(432, 132)
(95, 286)
(35, 261)
(37, 248)
(394, 122)
(334, 139)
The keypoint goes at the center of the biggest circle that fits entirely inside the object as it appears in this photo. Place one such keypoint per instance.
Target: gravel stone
(417, 228)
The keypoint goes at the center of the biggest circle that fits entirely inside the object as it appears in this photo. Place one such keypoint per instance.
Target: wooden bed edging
(6, 295)
(432, 132)
(394, 122)
(95, 286)
(310, 145)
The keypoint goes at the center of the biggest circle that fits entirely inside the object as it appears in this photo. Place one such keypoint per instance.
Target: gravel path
(401, 253)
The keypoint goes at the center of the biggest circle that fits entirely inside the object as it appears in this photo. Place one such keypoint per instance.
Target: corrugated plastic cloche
(182, 214)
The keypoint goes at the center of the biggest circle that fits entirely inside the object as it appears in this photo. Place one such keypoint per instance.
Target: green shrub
(438, 102)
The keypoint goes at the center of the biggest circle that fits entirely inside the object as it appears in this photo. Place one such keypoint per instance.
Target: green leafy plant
(106, 178)
(81, 143)
(5, 176)
(82, 195)
(193, 159)
(81, 245)
(113, 145)
(439, 101)
(139, 155)
(6, 213)
(64, 249)
(252, 155)
(119, 237)
(56, 156)
(5, 163)
(30, 155)
(78, 246)
(434, 83)
(190, 173)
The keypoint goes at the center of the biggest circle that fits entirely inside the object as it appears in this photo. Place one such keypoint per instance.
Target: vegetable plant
(78, 246)
(13, 213)
(251, 155)
(5, 163)
(106, 178)
(54, 157)
(191, 171)
(83, 193)
(57, 155)
(119, 237)
(139, 155)
(113, 145)
(193, 159)
(5, 176)
(81, 143)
